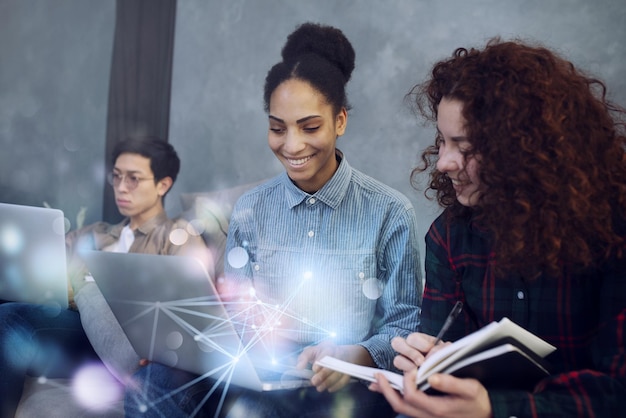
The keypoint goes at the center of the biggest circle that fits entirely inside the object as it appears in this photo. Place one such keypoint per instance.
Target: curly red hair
(552, 154)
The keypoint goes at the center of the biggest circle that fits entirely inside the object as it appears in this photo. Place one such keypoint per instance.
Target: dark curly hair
(320, 55)
(551, 150)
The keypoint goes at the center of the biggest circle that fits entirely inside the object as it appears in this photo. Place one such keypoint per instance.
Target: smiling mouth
(457, 184)
(298, 162)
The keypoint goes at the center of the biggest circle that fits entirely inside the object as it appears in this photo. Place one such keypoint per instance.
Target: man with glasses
(38, 340)
(143, 172)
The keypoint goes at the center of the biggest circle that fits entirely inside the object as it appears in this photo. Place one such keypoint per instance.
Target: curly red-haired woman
(529, 164)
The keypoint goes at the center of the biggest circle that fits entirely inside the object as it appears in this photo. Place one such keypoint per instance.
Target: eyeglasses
(131, 181)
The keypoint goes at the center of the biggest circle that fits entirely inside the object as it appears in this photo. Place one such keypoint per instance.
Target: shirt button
(311, 233)
(361, 275)
(520, 295)
(257, 267)
(311, 201)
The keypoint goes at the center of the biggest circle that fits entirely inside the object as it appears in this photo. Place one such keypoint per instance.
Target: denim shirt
(339, 265)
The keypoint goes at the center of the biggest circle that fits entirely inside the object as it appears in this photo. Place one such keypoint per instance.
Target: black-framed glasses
(131, 181)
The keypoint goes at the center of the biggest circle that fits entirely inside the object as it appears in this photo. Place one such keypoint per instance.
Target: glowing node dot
(143, 408)
(238, 257)
(179, 236)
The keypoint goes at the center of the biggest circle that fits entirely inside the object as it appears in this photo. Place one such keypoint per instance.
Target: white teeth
(298, 162)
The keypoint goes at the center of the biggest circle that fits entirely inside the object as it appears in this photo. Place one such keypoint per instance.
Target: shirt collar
(150, 224)
(145, 228)
(332, 193)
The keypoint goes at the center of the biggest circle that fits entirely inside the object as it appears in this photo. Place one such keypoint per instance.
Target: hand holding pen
(454, 313)
(413, 349)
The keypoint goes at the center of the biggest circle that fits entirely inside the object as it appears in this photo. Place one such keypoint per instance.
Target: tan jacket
(150, 238)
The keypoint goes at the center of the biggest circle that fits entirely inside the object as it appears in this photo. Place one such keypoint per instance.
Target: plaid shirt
(582, 314)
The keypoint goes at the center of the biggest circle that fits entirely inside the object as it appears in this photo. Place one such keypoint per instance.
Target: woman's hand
(464, 398)
(413, 350)
(327, 379)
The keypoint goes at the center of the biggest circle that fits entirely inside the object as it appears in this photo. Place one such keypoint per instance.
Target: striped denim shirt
(341, 264)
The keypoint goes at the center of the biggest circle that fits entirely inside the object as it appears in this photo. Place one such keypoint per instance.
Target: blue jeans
(37, 340)
(161, 391)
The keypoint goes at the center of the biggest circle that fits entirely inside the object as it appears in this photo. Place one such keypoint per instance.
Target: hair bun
(325, 41)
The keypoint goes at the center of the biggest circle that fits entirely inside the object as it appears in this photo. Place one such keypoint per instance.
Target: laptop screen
(33, 265)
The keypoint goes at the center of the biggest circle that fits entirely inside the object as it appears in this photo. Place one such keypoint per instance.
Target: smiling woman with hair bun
(330, 255)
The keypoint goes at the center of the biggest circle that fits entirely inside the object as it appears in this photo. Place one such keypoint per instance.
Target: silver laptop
(33, 267)
(172, 314)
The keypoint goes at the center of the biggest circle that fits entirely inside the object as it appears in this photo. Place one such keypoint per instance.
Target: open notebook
(172, 314)
(500, 355)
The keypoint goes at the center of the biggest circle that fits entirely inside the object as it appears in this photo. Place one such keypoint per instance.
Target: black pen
(456, 310)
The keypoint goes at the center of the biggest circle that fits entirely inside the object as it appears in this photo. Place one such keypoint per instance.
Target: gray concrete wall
(54, 77)
(224, 49)
(54, 74)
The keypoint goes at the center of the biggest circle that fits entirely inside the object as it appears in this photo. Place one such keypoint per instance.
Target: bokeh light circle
(169, 358)
(238, 257)
(179, 236)
(95, 388)
(372, 288)
(11, 240)
(174, 340)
